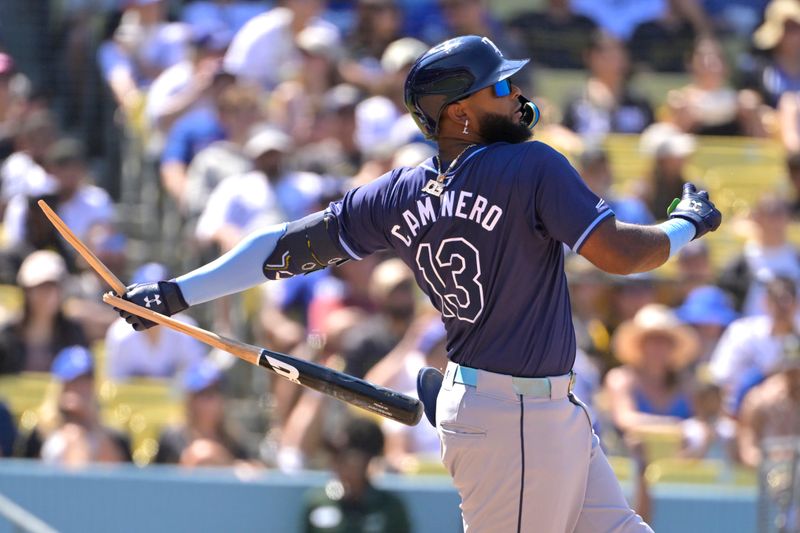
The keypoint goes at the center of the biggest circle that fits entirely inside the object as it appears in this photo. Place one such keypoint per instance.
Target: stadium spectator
(190, 134)
(588, 295)
(709, 311)
(76, 436)
(396, 62)
(13, 99)
(473, 17)
(596, 172)
(377, 24)
(753, 346)
(423, 345)
(205, 424)
(8, 431)
(710, 433)
(143, 44)
(793, 174)
(771, 409)
(31, 342)
(708, 105)
(694, 269)
(555, 37)
(274, 30)
(22, 172)
(789, 121)
(238, 111)
(607, 104)
(350, 502)
(84, 207)
(295, 103)
(153, 353)
(669, 149)
(187, 84)
(779, 38)
(628, 294)
(271, 192)
(649, 388)
(646, 44)
(767, 254)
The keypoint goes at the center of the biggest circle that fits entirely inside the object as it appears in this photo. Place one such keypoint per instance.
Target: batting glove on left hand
(696, 208)
(162, 297)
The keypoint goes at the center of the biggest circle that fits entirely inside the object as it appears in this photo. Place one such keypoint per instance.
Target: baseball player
(482, 225)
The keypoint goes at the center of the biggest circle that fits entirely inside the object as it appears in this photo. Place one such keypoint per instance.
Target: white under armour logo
(156, 300)
(695, 206)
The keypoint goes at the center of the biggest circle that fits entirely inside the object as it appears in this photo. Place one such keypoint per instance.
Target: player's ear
(457, 112)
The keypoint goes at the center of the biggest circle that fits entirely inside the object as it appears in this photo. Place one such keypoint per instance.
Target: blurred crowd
(163, 131)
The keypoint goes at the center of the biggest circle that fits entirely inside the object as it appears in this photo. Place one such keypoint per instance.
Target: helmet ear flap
(530, 112)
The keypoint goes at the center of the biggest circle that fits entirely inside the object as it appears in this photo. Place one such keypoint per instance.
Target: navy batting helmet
(453, 70)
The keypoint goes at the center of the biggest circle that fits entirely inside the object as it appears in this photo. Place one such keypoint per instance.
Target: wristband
(679, 231)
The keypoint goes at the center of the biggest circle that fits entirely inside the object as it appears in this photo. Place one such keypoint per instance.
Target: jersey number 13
(453, 274)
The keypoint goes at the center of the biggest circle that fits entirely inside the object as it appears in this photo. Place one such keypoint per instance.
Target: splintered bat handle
(83, 250)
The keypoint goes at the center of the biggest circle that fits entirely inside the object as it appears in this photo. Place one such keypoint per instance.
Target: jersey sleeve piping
(590, 228)
(349, 249)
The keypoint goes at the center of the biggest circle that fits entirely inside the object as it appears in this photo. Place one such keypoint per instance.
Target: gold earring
(465, 131)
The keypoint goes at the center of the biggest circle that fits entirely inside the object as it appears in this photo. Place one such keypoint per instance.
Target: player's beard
(496, 128)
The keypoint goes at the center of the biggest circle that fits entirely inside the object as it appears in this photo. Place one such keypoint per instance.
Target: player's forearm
(235, 271)
(620, 248)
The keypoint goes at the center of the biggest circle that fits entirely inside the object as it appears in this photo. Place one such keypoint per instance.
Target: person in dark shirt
(556, 37)
(647, 42)
(607, 104)
(350, 503)
(30, 343)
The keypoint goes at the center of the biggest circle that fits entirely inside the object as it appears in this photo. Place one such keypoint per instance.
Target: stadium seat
(704, 471)
(24, 394)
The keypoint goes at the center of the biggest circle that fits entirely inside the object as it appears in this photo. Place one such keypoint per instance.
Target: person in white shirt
(266, 195)
(752, 347)
(274, 31)
(157, 352)
(767, 254)
(21, 172)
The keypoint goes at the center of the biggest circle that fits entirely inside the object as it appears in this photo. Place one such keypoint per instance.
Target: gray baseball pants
(527, 462)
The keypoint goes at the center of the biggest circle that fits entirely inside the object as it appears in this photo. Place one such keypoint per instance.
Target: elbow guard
(308, 244)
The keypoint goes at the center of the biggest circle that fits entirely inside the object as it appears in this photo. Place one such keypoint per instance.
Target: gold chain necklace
(436, 187)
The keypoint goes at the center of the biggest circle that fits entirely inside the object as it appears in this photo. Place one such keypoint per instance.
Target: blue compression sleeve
(679, 231)
(237, 270)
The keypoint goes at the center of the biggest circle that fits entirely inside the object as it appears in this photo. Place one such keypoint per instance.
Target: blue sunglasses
(502, 88)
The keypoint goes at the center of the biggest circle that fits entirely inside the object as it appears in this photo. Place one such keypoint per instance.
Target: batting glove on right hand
(162, 297)
(696, 208)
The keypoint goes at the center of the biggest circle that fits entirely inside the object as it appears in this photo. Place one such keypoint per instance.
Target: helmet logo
(490, 43)
(446, 46)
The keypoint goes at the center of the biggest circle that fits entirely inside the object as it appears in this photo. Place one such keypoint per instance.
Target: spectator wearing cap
(205, 422)
(649, 388)
(187, 85)
(396, 62)
(779, 38)
(31, 342)
(708, 309)
(75, 436)
(276, 31)
(268, 194)
(86, 208)
(153, 353)
(596, 172)
(239, 109)
(752, 347)
(772, 409)
(607, 104)
(768, 253)
(555, 36)
(350, 501)
(669, 150)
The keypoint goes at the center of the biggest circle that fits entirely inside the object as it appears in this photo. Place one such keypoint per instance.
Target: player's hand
(162, 297)
(696, 208)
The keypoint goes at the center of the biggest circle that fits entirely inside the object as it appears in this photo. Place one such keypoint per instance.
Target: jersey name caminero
(488, 252)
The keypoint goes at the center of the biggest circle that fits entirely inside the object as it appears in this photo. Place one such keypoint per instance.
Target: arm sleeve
(558, 202)
(362, 215)
(237, 270)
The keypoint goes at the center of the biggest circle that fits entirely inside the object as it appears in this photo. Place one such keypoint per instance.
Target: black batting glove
(696, 208)
(162, 297)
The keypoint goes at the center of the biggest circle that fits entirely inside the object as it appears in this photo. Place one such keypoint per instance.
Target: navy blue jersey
(488, 252)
